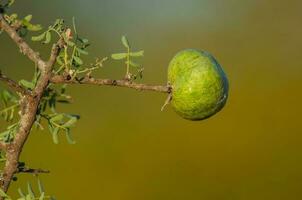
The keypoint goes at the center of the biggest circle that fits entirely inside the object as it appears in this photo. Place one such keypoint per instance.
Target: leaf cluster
(9, 106)
(24, 25)
(56, 122)
(57, 27)
(127, 57)
(70, 58)
(30, 194)
(68, 62)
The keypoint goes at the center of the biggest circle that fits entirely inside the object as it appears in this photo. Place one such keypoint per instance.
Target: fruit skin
(199, 84)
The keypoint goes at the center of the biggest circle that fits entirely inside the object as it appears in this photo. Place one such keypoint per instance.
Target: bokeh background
(128, 150)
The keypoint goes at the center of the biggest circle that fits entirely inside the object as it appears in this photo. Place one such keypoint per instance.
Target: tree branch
(55, 51)
(3, 146)
(23, 46)
(29, 103)
(32, 171)
(60, 79)
(14, 85)
(47, 66)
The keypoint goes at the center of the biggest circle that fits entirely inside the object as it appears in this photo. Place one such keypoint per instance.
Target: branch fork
(31, 99)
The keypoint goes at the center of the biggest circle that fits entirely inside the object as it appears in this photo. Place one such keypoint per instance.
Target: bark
(30, 100)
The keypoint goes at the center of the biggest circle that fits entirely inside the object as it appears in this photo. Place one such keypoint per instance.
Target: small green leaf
(56, 118)
(70, 122)
(39, 37)
(30, 190)
(59, 60)
(7, 96)
(70, 43)
(83, 40)
(8, 3)
(32, 27)
(119, 56)
(78, 60)
(55, 135)
(42, 196)
(81, 51)
(47, 37)
(3, 194)
(137, 54)
(125, 42)
(74, 25)
(40, 186)
(52, 103)
(68, 137)
(28, 18)
(13, 16)
(132, 63)
(21, 193)
(27, 84)
(11, 117)
(28, 197)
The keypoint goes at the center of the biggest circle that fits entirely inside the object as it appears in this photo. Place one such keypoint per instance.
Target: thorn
(168, 100)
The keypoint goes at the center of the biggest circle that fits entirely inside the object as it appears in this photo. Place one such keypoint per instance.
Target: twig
(32, 171)
(56, 48)
(60, 79)
(14, 85)
(23, 46)
(47, 68)
(29, 104)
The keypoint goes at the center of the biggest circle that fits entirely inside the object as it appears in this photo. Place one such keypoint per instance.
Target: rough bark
(30, 100)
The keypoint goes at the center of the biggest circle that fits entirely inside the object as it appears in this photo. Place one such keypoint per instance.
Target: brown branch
(60, 79)
(29, 108)
(29, 103)
(32, 171)
(55, 51)
(23, 46)
(46, 73)
(3, 146)
(14, 85)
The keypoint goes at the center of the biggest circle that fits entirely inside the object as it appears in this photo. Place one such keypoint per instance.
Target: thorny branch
(30, 100)
(32, 171)
(23, 46)
(29, 103)
(3, 146)
(109, 82)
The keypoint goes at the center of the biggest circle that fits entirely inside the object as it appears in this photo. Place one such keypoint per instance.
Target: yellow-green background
(128, 150)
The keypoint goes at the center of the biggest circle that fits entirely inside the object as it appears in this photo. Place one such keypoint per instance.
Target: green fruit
(199, 84)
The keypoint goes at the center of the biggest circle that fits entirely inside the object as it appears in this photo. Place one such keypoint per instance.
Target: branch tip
(32, 171)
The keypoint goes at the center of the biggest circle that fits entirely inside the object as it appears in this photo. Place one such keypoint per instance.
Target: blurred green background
(128, 150)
